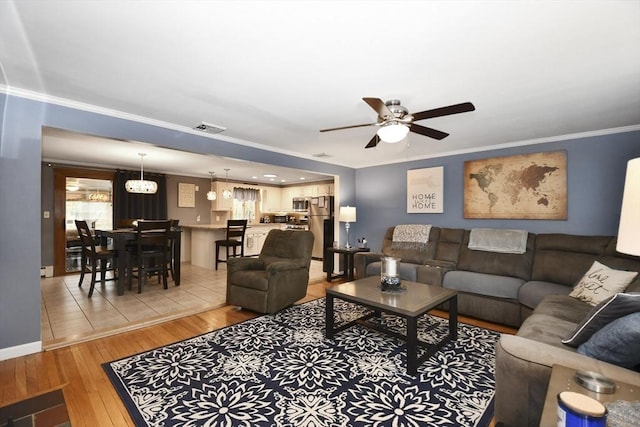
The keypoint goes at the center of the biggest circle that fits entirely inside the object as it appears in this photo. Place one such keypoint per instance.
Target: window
(244, 203)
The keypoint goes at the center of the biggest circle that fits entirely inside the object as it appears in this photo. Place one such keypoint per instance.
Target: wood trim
(60, 175)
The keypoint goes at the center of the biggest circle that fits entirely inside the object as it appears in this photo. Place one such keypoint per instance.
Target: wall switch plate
(46, 214)
(197, 188)
(198, 218)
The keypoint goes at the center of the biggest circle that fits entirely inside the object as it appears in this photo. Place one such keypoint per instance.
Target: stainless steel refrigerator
(320, 209)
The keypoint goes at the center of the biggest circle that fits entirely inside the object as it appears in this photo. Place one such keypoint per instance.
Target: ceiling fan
(395, 121)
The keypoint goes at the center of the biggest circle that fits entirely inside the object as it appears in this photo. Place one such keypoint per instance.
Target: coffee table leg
(328, 312)
(412, 345)
(453, 318)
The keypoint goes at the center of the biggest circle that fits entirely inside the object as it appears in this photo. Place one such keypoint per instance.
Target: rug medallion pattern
(279, 370)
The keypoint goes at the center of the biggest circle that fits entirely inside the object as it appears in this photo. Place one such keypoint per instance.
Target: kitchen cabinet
(221, 204)
(272, 200)
(318, 190)
(254, 238)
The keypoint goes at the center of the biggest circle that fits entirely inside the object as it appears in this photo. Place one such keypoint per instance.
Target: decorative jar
(390, 273)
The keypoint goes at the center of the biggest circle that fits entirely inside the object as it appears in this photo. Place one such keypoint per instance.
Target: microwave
(280, 219)
(300, 204)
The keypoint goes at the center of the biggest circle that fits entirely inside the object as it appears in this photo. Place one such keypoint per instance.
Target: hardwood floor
(77, 369)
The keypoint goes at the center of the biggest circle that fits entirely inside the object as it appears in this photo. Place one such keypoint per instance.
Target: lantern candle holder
(390, 274)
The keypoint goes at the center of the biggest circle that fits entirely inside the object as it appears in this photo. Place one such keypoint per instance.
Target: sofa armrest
(278, 266)
(433, 272)
(362, 259)
(523, 368)
(244, 263)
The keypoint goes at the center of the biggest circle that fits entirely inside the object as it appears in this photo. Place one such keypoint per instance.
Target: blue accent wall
(595, 179)
(20, 194)
(596, 168)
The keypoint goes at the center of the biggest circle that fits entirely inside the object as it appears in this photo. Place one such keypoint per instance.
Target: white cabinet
(222, 204)
(272, 199)
(254, 238)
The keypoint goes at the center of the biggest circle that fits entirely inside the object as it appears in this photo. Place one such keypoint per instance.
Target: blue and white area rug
(279, 370)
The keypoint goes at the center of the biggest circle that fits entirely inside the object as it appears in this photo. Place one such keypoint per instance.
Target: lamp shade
(141, 186)
(393, 132)
(347, 214)
(629, 230)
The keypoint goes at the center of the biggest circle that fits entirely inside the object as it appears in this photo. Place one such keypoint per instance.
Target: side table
(347, 255)
(563, 379)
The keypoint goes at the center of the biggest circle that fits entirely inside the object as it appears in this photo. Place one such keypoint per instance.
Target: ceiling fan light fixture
(393, 132)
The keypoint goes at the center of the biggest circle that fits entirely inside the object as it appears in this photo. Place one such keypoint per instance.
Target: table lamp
(347, 215)
(629, 230)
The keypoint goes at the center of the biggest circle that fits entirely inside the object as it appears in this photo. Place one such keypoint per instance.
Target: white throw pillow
(601, 282)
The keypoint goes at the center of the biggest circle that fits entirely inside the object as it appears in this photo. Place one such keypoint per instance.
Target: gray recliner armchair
(277, 278)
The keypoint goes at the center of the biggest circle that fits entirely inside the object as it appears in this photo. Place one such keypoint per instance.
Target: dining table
(120, 238)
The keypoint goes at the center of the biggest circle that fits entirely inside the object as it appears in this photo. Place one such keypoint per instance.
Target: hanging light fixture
(226, 193)
(140, 185)
(211, 195)
(393, 132)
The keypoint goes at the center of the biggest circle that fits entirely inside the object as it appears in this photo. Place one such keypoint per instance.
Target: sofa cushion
(547, 329)
(407, 251)
(501, 264)
(617, 343)
(483, 284)
(563, 258)
(620, 261)
(449, 244)
(563, 307)
(533, 292)
(601, 315)
(601, 282)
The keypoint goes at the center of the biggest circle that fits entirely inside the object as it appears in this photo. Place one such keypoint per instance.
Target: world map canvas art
(530, 186)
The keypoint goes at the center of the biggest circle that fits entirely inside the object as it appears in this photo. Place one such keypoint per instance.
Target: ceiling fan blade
(348, 127)
(444, 111)
(431, 133)
(380, 107)
(374, 141)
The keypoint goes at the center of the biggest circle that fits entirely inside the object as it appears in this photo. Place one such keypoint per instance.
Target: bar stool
(236, 229)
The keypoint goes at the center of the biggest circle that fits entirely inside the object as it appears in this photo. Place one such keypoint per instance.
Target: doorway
(78, 194)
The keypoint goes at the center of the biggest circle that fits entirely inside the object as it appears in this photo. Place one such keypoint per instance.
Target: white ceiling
(276, 72)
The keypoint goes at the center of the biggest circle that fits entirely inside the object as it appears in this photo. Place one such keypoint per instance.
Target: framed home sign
(425, 190)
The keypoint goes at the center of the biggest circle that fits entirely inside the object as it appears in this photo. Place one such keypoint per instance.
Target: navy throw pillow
(602, 314)
(617, 343)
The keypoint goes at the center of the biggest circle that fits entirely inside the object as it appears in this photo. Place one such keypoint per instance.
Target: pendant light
(140, 185)
(226, 193)
(211, 195)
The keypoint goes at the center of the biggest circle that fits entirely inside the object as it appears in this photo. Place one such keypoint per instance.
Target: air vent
(322, 155)
(209, 128)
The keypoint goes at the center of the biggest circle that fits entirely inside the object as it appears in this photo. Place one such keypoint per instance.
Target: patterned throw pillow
(602, 314)
(617, 343)
(601, 282)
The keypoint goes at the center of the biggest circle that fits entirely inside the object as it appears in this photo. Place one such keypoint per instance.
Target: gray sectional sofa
(529, 291)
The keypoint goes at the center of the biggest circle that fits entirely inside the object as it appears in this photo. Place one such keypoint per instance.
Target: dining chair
(95, 259)
(149, 254)
(236, 229)
(172, 248)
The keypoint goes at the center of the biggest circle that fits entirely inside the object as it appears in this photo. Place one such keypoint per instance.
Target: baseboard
(20, 350)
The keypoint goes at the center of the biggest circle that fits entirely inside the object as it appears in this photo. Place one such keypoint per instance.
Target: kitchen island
(199, 247)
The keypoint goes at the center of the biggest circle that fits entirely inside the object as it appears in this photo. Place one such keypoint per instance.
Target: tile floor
(69, 316)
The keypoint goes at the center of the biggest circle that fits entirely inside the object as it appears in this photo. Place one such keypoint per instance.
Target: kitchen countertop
(224, 227)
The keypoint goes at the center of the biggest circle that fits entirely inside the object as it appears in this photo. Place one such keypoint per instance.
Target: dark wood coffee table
(416, 301)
